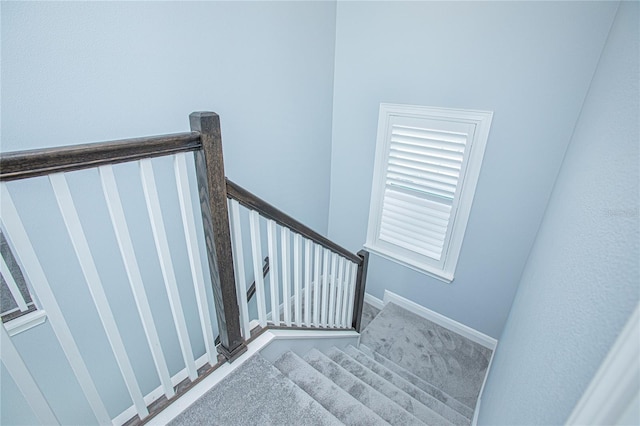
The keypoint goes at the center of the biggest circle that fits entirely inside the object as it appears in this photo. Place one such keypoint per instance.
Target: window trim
(463, 201)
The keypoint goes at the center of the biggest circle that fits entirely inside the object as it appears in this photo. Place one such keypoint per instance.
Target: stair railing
(320, 284)
(313, 282)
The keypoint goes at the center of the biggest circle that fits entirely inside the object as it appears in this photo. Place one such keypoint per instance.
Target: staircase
(405, 370)
(377, 383)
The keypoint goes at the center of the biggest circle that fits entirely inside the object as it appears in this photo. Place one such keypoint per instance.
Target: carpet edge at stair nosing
(430, 402)
(394, 406)
(371, 416)
(410, 378)
(201, 412)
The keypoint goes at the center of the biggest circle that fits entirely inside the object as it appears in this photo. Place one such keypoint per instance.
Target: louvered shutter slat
(408, 185)
(424, 133)
(419, 183)
(422, 178)
(422, 220)
(415, 226)
(426, 155)
(420, 250)
(425, 161)
(414, 223)
(416, 142)
(410, 234)
(425, 174)
(417, 206)
(425, 151)
(420, 167)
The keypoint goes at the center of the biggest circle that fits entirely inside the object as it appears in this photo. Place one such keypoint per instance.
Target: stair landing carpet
(447, 360)
(407, 371)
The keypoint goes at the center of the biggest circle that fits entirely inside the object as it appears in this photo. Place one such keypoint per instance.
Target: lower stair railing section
(104, 242)
(312, 282)
(100, 248)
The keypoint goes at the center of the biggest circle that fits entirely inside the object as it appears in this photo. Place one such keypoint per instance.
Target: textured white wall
(581, 281)
(529, 62)
(75, 72)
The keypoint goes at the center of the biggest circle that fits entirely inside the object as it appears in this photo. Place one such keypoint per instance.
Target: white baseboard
(302, 341)
(455, 326)
(476, 410)
(373, 301)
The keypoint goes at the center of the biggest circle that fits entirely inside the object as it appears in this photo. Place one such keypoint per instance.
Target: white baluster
(238, 265)
(193, 251)
(307, 281)
(116, 212)
(166, 265)
(286, 272)
(273, 273)
(333, 283)
(325, 287)
(256, 254)
(339, 293)
(345, 296)
(297, 279)
(316, 286)
(90, 272)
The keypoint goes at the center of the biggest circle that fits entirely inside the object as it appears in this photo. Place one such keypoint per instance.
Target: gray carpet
(446, 360)
(369, 312)
(255, 394)
(407, 371)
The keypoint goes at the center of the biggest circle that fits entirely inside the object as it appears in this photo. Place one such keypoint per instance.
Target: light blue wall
(529, 62)
(581, 281)
(75, 72)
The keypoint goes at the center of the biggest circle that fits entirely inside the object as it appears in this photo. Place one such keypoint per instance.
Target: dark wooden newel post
(213, 205)
(361, 283)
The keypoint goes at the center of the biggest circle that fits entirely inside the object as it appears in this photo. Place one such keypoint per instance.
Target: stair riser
(326, 393)
(376, 401)
(383, 366)
(424, 406)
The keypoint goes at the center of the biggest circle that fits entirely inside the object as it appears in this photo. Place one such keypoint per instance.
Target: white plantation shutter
(422, 159)
(423, 172)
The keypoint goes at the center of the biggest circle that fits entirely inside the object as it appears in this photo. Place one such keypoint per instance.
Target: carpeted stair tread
(375, 361)
(333, 398)
(387, 388)
(354, 360)
(256, 393)
(449, 361)
(367, 395)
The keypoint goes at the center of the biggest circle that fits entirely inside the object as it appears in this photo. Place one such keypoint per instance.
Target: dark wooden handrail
(39, 162)
(253, 202)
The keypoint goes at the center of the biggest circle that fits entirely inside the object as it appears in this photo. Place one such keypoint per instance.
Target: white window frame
(443, 269)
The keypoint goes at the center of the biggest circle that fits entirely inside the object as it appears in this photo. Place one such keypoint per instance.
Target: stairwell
(406, 370)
